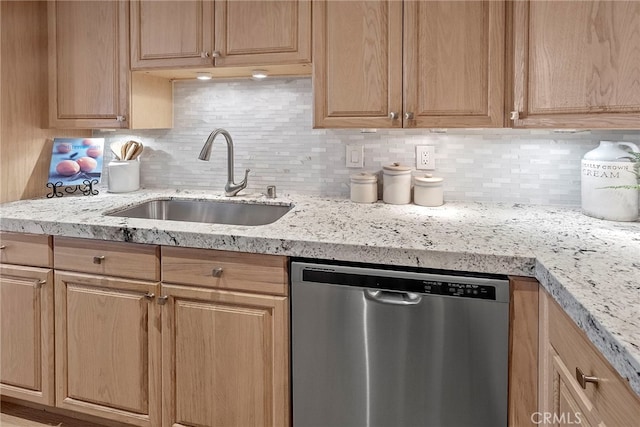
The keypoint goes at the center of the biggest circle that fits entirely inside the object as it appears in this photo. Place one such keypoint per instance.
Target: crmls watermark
(563, 418)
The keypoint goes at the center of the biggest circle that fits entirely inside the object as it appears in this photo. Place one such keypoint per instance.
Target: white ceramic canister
(603, 168)
(428, 190)
(124, 176)
(364, 188)
(396, 184)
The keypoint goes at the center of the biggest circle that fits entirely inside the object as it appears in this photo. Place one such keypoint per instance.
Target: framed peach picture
(75, 160)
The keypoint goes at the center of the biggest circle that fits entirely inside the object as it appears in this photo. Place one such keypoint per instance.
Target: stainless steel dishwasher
(381, 347)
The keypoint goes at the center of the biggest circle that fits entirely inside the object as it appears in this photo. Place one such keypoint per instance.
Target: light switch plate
(355, 156)
(425, 157)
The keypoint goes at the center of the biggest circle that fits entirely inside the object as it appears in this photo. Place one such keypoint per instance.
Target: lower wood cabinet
(108, 350)
(26, 333)
(577, 385)
(225, 358)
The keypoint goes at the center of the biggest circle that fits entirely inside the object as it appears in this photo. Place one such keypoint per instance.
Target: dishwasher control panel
(459, 289)
(431, 284)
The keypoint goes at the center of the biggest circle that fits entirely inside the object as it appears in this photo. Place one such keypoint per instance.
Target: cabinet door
(108, 347)
(357, 63)
(454, 63)
(576, 64)
(607, 399)
(569, 405)
(168, 34)
(26, 333)
(262, 32)
(225, 358)
(88, 63)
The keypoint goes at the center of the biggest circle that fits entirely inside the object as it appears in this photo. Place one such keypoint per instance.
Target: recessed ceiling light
(203, 76)
(259, 74)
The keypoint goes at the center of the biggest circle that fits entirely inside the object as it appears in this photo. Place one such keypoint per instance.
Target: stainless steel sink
(211, 212)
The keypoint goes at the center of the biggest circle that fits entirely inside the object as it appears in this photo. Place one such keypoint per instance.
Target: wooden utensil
(131, 150)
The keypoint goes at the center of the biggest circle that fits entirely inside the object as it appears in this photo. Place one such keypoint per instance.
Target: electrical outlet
(425, 157)
(355, 156)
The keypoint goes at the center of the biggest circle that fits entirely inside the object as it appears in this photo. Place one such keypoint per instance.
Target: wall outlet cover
(355, 156)
(425, 157)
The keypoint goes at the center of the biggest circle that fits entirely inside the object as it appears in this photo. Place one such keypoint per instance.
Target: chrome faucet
(231, 188)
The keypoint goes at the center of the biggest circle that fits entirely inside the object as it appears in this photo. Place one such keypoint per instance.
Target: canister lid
(396, 169)
(364, 177)
(428, 180)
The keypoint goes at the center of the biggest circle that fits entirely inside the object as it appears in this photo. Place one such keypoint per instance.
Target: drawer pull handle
(584, 379)
(150, 296)
(217, 272)
(98, 259)
(163, 300)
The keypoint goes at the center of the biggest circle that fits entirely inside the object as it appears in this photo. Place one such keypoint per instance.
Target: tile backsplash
(271, 125)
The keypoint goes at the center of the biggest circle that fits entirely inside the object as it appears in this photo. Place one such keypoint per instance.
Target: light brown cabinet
(166, 34)
(108, 347)
(107, 329)
(208, 346)
(90, 84)
(385, 64)
(205, 33)
(577, 385)
(262, 32)
(576, 64)
(225, 358)
(26, 324)
(225, 350)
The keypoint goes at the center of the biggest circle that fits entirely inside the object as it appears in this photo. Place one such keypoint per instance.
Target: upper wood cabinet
(388, 64)
(176, 34)
(90, 84)
(454, 63)
(262, 32)
(357, 63)
(167, 34)
(576, 64)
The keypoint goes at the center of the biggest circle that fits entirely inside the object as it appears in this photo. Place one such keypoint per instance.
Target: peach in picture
(67, 168)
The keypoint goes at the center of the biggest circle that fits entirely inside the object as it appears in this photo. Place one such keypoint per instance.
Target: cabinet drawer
(132, 260)
(26, 249)
(225, 270)
(616, 404)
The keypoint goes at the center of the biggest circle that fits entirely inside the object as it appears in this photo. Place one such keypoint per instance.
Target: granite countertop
(590, 266)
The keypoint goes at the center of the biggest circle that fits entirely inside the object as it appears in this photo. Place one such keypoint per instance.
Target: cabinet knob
(121, 118)
(408, 116)
(40, 283)
(515, 115)
(216, 54)
(163, 300)
(204, 54)
(3, 247)
(149, 295)
(393, 115)
(98, 259)
(217, 272)
(584, 379)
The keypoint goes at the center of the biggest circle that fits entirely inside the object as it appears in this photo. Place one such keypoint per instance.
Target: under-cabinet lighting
(259, 74)
(570, 130)
(368, 130)
(203, 76)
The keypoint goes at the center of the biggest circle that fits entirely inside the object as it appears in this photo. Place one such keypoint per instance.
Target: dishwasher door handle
(395, 298)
